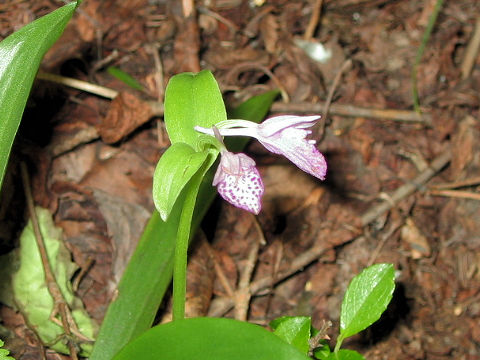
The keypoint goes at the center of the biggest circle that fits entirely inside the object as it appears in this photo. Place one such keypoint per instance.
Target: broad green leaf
(176, 167)
(20, 57)
(295, 330)
(149, 271)
(31, 292)
(190, 100)
(344, 354)
(4, 353)
(209, 339)
(366, 298)
(124, 77)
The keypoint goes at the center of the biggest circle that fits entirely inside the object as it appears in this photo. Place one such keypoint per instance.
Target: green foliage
(149, 270)
(209, 339)
(190, 100)
(20, 57)
(124, 77)
(295, 330)
(344, 354)
(367, 297)
(30, 290)
(4, 353)
(174, 170)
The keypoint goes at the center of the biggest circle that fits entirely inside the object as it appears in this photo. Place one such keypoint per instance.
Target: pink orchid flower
(285, 135)
(238, 181)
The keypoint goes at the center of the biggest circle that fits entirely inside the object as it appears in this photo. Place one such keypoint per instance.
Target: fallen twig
(407, 189)
(345, 66)
(457, 184)
(356, 111)
(456, 194)
(301, 261)
(79, 84)
(471, 52)
(314, 19)
(243, 293)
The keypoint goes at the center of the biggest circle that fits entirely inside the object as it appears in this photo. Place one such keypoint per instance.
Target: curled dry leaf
(416, 240)
(127, 112)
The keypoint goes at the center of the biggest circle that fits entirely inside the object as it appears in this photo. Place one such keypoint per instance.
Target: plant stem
(181, 249)
(338, 344)
(421, 49)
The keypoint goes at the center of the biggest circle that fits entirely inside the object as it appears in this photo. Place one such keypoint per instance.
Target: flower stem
(181, 250)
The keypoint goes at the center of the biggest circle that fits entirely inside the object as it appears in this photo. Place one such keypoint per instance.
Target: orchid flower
(285, 135)
(237, 179)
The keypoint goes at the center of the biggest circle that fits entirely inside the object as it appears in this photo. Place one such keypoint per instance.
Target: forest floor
(401, 187)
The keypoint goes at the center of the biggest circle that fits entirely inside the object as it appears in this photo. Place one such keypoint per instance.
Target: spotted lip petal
(238, 181)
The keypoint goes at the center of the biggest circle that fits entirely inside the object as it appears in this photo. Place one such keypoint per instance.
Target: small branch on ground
(345, 67)
(471, 53)
(355, 111)
(407, 189)
(314, 19)
(299, 263)
(243, 293)
(456, 194)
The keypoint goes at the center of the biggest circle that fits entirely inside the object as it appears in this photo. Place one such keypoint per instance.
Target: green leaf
(20, 57)
(4, 353)
(344, 354)
(149, 271)
(209, 339)
(176, 167)
(124, 77)
(190, 100)
(31, 292)
(295, 330)
(366, 298)
(322, 352)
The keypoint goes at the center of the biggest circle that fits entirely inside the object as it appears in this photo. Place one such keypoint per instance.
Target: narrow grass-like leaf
(149, 271)
(20, 57)
(209, 339)
(124, 77)
(367, 297)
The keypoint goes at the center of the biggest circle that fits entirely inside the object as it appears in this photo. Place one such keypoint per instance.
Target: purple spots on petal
(240, 183)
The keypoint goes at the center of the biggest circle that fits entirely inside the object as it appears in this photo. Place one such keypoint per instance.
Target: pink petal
(292, 144)
(282, 122)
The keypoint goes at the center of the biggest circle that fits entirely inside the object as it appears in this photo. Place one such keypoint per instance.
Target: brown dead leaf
(417, 242)
(187, 46)
(200, 278)
(269, 30)
(127, 112)
(125, 223)
(463, 145)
